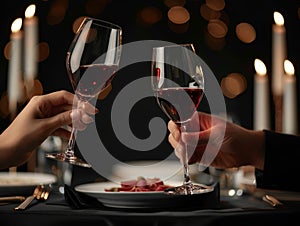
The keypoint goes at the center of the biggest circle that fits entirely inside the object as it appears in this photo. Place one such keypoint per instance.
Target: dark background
(234, 57)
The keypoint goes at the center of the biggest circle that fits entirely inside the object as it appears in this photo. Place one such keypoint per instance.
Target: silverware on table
(272, 200)
(39, 193)
(9, 199)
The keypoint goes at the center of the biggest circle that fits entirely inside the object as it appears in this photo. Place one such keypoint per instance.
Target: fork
(37, 193)
(44, 195)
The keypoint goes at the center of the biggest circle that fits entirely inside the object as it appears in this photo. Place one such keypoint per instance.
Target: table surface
(243, 210)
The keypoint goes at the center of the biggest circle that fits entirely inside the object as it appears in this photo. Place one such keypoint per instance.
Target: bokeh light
(233, 85)
(44, 51)
(36, 90)
(149, 16)
(245, 32)
(178, 15)
(77, 23)
(7, 50)
(57, 12)
(171, 3)
(217, 28)
(208, 13)
(217, 5)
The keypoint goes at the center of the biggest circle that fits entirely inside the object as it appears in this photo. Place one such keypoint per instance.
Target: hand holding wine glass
(178, 83)
(91, 62)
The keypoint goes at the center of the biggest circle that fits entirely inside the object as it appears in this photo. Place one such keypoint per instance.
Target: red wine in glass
(178, 103)
(91, 63)
(178, 83)
(96, 77)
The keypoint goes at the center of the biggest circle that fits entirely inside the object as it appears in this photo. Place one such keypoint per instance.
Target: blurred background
(228, 36)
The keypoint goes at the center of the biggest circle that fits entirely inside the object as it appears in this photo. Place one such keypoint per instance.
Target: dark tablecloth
(244, 210)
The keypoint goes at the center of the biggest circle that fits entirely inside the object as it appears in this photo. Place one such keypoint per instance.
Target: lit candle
(261, 97)
(289, 120)
(14, 70)
(278, 54)
(278, 57)
(30, 48)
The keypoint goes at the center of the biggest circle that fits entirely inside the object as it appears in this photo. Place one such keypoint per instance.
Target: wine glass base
(191, 189)
(63, 158)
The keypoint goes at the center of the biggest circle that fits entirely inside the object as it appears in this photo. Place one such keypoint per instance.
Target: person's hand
(237, 147)
(43, 116)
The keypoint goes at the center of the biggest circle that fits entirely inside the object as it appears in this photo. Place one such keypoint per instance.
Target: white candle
(289, 120)
(14, 70)
(278, 54)
(261, 97)
(30, 48)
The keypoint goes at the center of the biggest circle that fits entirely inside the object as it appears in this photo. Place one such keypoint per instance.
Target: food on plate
(140, 184)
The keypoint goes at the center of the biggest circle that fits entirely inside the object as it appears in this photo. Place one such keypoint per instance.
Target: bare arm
(43, 116)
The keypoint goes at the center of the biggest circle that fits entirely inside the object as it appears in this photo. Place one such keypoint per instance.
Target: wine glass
(91, 63)
(178, 84)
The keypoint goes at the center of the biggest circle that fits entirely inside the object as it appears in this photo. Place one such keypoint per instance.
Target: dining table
(63, 209)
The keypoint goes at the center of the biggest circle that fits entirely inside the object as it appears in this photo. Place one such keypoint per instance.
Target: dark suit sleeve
(282, 162)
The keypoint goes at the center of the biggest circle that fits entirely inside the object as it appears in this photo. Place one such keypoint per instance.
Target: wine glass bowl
(91, 62)
(178, 84)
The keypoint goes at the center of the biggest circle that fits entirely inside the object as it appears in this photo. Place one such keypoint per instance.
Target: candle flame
(278, 18)
(16, 25)
(289, 68)
(260, 67)
(30, 11)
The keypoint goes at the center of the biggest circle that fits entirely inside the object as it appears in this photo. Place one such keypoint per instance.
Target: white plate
(23, 182)
(25, 179)
(142, 200)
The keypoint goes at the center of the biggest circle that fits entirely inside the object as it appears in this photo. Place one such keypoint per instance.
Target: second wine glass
(91, 62)
(178, 84)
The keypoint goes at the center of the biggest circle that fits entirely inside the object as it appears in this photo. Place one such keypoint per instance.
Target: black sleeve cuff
(282, 155)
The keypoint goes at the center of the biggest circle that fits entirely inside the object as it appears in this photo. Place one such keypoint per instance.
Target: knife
(37, 192)
(12, 199)
(272, 201)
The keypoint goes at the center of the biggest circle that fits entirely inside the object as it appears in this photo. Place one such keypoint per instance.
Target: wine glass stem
(71, 144)
(187, 180)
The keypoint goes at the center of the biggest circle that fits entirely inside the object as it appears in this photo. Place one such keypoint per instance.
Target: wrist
(5, 152)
